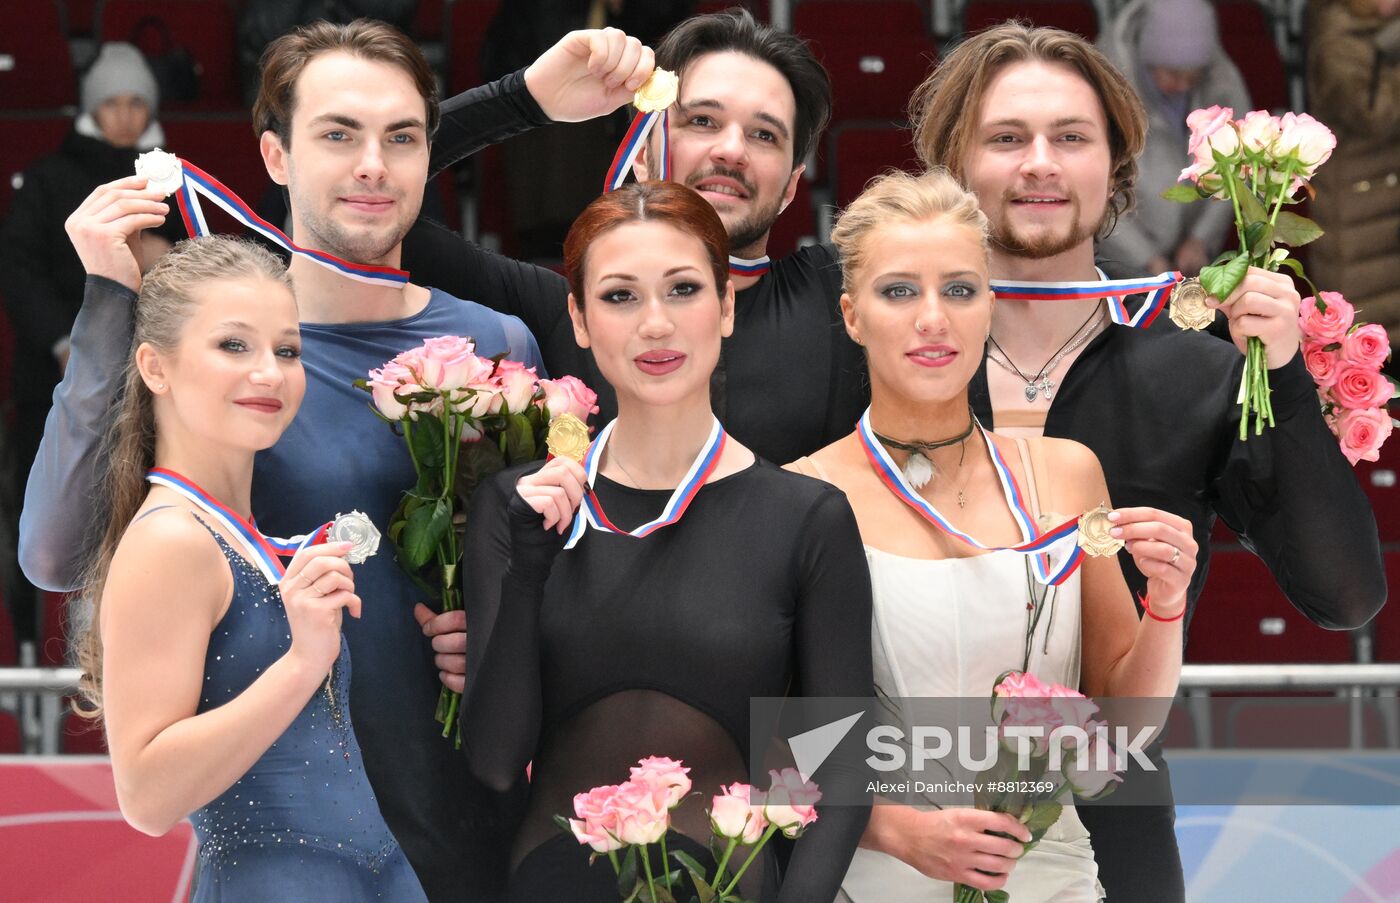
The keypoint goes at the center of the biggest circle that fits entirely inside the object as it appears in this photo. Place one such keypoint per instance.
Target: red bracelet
(1148, 610)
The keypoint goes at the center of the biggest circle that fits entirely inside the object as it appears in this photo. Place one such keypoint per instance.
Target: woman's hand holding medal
(589, 74)
(106, 228)
(316, 587)
(1161, 543)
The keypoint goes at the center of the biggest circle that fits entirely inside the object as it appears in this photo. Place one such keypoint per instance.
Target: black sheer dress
(587, 660)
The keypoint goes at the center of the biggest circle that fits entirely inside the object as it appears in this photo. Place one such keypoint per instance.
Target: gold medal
(1094, 537)
(658, 93)
(1188, 306)
(568, 437)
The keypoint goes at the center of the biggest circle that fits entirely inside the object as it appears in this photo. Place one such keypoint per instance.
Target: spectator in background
(43, 278)
(552, 174)
(1354, 87)
(1170, 51)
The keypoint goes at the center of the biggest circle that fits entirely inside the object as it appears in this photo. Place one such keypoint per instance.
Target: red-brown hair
(639, 202)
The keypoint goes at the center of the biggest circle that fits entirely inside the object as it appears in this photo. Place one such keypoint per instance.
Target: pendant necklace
(919, 468)
(1041, 381)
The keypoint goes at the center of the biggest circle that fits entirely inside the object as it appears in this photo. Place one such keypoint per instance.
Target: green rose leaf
(1257, 236)
(1220, 281)
(627, 875)
(1182, 193)
(1250, 206)
(520, 439)
(697, 874)
(426, 528)
(1294, 230)
(1043, 815)
(426, 437)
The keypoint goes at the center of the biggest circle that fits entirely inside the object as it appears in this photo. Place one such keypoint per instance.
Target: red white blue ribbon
(1157, 288)
(266, 552)
(632, 144)
(738, 266)
(197, 182)
(1054, 554)
(590, 513)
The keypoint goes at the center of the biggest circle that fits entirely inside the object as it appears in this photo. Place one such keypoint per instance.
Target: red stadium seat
(11, 740)
(466, 24)
(82, 15)
(430, 20)
(81, 736)
(26, 139)
(36, 69)
(1300, 722)
(203, 29)
(759, 8)
(1080, 18)
(872, 78)
(1248, 39)
(833, 21)
(859, 153)
(222, 145)
(1380, 480)
(1386, 626)
(1242, 616)
(798, 221)
(53, 627)
(8, 645)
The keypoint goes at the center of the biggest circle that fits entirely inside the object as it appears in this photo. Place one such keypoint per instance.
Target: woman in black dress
(585, 660)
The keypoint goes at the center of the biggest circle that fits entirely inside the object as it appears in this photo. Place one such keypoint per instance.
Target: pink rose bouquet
(1345, 358)
(463, 417)
(1040, 719)
(1260, 163)
(622, 821)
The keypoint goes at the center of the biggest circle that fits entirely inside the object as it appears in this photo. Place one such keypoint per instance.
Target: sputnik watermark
(888, 743)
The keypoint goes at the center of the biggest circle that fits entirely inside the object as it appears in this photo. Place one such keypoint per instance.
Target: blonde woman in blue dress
(950, 618)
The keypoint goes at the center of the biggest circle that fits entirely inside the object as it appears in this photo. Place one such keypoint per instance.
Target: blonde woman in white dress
(950, 618)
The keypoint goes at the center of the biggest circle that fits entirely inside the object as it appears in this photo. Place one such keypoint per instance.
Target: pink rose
(517, 384)
(1307, 140)
(1362, 432)
(1084, 775)
(1326, 327)
(448, 362)
(1368, 346)
(569, 395)
(641, 818)
(385, 382)
(666, 778)
(1258, 130)
(1211, 129)
(732, 816)
(790, 803)
(478, 400)
(596, 825)
(1324, 365)
(1360, 387)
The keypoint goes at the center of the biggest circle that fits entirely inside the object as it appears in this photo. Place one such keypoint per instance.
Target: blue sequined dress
(303, 823)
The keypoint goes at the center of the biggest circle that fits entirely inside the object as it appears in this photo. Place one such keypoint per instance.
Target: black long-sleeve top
(1158, 406)
(637, 647)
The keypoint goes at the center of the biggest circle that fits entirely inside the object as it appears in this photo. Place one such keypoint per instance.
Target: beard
(1046, 242)
(355, 243)
(751, 229)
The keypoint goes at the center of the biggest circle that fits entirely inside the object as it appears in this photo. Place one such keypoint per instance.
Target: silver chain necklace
(1041, 381)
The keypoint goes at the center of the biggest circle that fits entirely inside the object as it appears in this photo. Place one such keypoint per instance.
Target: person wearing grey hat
(1170, 51)
(43, 278)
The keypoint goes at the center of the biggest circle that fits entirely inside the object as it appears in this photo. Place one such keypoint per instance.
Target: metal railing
(1358, 683)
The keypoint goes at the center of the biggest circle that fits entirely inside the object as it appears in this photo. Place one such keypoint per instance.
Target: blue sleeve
(522, 345)
(61, 494)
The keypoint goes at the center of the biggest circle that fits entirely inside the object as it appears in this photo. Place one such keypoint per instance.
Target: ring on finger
(1176, 555)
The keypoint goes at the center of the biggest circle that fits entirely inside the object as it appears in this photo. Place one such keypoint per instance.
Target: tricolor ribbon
(590, 513)
(1054, 554)
(1157, 288)
(266, 552)
(738, 266)
(632, 144)
(196, 182)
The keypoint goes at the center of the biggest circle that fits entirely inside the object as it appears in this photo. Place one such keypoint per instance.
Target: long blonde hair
(128, 450)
